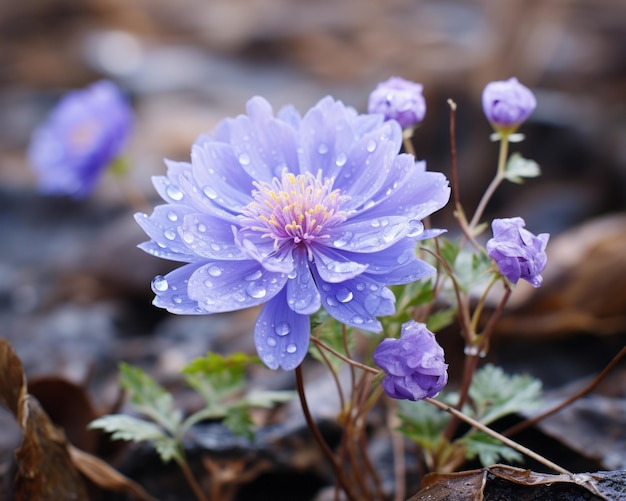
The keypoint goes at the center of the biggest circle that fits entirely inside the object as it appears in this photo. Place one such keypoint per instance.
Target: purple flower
(517, 252)
(400, 100)
(84, 133)
(507, 104)
(297, 213)
(413, 364)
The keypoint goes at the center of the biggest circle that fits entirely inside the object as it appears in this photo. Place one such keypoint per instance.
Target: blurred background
(74, 290)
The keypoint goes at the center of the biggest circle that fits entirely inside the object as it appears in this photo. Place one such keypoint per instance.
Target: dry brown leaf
(506, 483)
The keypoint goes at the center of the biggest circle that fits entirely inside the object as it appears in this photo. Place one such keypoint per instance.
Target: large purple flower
(507, 103)
(398, 99)
(297, 213)
(517, 252)
(414, 364)
(84, 133)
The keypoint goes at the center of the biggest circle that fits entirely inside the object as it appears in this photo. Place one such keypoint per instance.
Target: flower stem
(353, 363)
(506, 441)
(182, 463)
(495, 182)
(339, 474)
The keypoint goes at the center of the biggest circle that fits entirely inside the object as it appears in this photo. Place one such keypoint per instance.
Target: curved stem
(339, 475)
(498, 436)
(495, 182)
(322, 344)
(182, 463)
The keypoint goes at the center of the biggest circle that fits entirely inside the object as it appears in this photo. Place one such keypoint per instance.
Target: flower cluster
(296, 213)
(507, 104)
(84, 133)
(400, 100)
(414, 364)
(517, 252)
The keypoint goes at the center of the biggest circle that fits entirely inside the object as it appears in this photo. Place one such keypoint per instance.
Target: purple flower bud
(400, 100)
(413, 364)
(507, 103)
(517, 252)
(83, 134)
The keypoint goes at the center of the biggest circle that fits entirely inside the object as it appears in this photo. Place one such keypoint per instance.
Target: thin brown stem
(454, 175)
(322, 344)
(553, 410)
(506, 441)
(317, 435)
(197, 491)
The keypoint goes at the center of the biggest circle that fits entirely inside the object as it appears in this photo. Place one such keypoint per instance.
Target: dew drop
(244, 159)
(415, 228)
(254, 276)
(344, 295)
(360, 286)
(282, 328)
(174, 193)
(215, 246)
(371, 146)
(291, 348)
(256, 291)
(201, 228)
(322, 149)
(159, 284)
(214, 270)
(172, 216)
(375, 223)
(188, 237)
(177, 299)
(356, 319)
(343, 240)
(271, 341)
(369, 204)
(208, 283)
(341, 160)
(169, 234)
(471, 350)
(330, 301)
(209, 192)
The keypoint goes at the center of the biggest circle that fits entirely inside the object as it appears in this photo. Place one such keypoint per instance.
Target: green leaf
(423, 423)
(472, 268)
(488, 449)
(238, 420)
(518, 168)
(331, 333)
(448, 251)
(150, 398)
(268, 398)
(495, 394)
(124, 427)
(441, 319)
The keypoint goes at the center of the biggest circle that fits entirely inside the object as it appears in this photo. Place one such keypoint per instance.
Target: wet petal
(333, 266)
(233, 285)
(371, 235)
(210, 237)
(281, 335)
(302, 294)
(172, 294)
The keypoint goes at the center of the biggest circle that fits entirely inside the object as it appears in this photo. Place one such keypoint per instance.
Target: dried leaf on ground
(506, 483)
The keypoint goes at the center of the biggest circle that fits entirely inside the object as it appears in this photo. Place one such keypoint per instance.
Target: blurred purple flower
(83, 134)
(400, 100)
(297, 213)
(507, 103)
(517, 252)
(414, 364)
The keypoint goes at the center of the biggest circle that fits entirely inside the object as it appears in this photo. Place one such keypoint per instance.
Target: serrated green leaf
(422, 423)
(441, 319)
(495, 394)
(123, 427)
(238, 420)
(472, 268)
(519, 168)
(448, 251)
(150, 398)
(488, 449)
(331, 333)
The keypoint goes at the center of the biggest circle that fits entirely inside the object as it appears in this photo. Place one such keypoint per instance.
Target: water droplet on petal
(174, 193)
(215, 246)
(322, 149)
(344, 295)
(177, 299)
(271, 341)
(331, 301)
(254, 276)
(341, 160)
(371, 146)
(356, 319)
(172, 216)
(159, 284)
(188, 237)
(214, 270)
(282, 328)
(375, 223)
(415, 228)
(343, 240)
(244, 159)
(209, 192)
(201, 228)
(291, 348)
(256, 291)
(169, 234)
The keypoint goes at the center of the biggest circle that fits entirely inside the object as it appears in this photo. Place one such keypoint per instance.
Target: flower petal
(172, 294)
(371, 235)
(233, 285)
(357, 302)
(210, 237)
(302, 294)
(334, 266)
(281, 335)
(168, 187)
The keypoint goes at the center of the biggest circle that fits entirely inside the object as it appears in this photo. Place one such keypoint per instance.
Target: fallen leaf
(507, 483)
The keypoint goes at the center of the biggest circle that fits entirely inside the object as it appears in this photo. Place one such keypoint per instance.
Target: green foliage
(335, 335)
(488, 449)
(422, 423)
(518, 168)
(219, 380)
(495, 394)
(472, 268)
